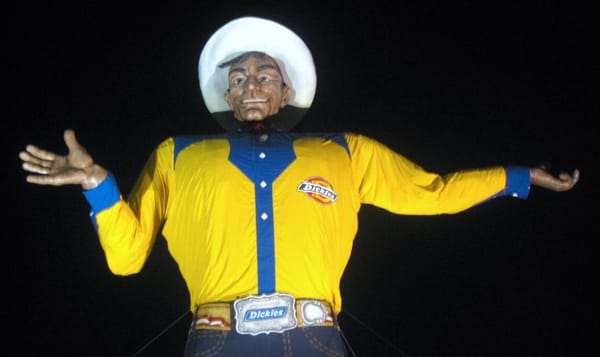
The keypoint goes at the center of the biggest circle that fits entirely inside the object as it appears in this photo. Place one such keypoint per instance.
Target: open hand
(48, 168)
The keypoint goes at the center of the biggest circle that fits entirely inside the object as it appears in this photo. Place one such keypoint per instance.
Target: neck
(258, 127)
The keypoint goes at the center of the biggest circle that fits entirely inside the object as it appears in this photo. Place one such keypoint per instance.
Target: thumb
(71, 140)
(78, 155)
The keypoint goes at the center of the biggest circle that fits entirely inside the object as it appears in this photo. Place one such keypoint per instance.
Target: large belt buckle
(265, 314)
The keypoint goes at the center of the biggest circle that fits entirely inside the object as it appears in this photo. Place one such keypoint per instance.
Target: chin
(251, 119)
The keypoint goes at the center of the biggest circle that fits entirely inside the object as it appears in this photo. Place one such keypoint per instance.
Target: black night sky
(451, 86)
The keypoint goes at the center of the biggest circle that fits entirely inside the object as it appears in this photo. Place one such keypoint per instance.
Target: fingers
(575, 175)
(565, 176)
(544, 166)
(35, 168)
(40, 163)
(41, 180)
(566, 181)
(570, 180)
(57, 180)
(35, 153)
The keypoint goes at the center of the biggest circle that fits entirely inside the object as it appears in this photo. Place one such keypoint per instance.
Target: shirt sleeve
(127, 228)
(391, 181)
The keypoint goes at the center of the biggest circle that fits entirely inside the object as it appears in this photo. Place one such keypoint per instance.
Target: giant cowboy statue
(259, 219)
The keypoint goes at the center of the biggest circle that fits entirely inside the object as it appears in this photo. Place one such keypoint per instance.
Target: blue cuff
(103, 196)
(518, 181)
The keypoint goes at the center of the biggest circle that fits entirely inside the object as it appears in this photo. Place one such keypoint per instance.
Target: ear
(227, 98)
(286, 95)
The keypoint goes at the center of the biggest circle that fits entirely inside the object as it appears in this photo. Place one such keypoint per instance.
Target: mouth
(250, 101)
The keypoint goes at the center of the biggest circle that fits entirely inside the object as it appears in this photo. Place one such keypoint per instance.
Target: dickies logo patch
(318, 189)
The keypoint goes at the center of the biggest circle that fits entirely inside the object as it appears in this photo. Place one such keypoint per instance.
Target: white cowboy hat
(257, 34)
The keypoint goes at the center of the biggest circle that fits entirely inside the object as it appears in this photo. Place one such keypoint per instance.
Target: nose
(252, 82)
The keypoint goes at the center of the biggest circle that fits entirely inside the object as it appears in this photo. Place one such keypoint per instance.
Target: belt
(264, 314)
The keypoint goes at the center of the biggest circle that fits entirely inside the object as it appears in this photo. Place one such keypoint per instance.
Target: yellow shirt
(248, 214)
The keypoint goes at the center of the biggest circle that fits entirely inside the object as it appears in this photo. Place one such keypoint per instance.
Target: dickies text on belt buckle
(265, 314)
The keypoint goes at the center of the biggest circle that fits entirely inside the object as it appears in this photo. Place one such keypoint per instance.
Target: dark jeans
(318, 341)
